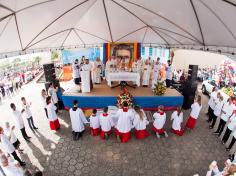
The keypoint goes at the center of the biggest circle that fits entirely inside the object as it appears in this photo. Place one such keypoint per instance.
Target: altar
(123, 76)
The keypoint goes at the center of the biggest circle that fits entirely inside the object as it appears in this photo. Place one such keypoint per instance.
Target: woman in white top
(217, 110)
(9, 132)
(230, 127)
(52, 116)
(140, 123)
(43, 99)
(227, 111)
(8, 147)
(94, 124)
(196, 108)
(159, 122)
(106, 123)
(211, 104)
(177, 117)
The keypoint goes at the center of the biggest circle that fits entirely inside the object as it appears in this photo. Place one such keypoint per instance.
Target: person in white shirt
(124, 125)
(52, 115)
(52, 91)
(196, 108)
(8, 147)
(211, 104)
(227, 111)
(230, 127)
(77, 121)
(97, 70)
(94, 124)
(9, 132)
(140, 123)
(146, 70)
(76, 72)
(19, 122)
(156, 70)
(43, 99)
(27, 113)
(177, 117)
(169, 74)
(159, 122)
(106, 123)
(217, 110)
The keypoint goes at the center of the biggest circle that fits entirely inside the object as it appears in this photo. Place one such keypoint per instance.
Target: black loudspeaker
(192, 72)
(49, 72)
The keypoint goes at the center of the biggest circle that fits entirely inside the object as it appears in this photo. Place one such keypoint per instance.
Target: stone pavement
(58, 155)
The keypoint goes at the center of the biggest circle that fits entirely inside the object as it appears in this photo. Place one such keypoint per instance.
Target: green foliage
(160, 88)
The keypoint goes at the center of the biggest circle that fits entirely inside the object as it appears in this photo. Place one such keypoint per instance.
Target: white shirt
(94, 122)
(196, 108)
(138, 123)
(232, 122)
(43, 99)
(169, 72)
(218, 107)
(27, 113)
(77, 119)
(76, 71)
(159, 121)
(228, 109)
(10, 134)
(11, 169)
(177, 120)
(125, 119)
(51, 109)
(18, 119)
(53, 93)
(211, 102)
(106, 122)
(6, 144)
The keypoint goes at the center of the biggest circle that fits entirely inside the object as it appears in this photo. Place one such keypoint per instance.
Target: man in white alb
(156, 70)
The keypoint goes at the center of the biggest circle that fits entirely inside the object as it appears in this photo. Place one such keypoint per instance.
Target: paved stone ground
(58, 155)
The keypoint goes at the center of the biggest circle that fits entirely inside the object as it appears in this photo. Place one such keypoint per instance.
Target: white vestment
(53, 93)
(159, 120)
(177, 120)
(211, 102)
(10, 135)
(77, 119)
(94, 122)
(140, 124)
(218, 107)
(76, 71)
(97, 71)
(124, 123)
(156, 70)
(11, 169)
(51, 109)
(196, 108)
(106, 122)
(146, 74)
(85, 78)
(18, 119)
(6, 145)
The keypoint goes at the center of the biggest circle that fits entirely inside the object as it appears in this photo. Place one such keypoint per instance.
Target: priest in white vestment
(106, 123)
(124, 124)
(156, 70)
(97, 70)
(159, 122)
(177, 117)
(52, 115)
(86, 80)
(146, 71)
(77, 121)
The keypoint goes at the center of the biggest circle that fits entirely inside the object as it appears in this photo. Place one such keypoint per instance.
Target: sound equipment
(190, 86)
(49, 72)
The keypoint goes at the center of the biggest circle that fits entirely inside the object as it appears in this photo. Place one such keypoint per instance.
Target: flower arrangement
(228, 90)
(124, 96)
(160, 88)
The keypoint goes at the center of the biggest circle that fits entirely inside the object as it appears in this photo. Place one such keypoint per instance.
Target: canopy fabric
(38, 25)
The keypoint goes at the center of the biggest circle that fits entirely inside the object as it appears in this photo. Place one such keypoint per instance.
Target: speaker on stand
(190, 87)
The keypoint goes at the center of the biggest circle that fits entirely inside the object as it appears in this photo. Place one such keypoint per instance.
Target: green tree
(54, 55)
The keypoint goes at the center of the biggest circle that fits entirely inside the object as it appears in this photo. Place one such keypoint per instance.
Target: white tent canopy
(39, 25)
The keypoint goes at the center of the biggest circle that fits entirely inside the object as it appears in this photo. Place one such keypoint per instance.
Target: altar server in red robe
(177, 117)
(159, 122)
(106, 123)
(77, 121)
(94, 123)
(140, 123)
(196, 108)
(124, 125)
(52, 116)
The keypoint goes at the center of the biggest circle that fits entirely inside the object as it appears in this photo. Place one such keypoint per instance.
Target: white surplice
(156, 70)
(211, 101)
(97, 71)
(77, 119)
(177, 120)
(94, 122)
(10, 135)
(51, 109)
(124, 123)
(53, 93)
(6, 145)
(11, 169)
(195, 110)
(146, 74)
(138, 123)
(218, 107)
(85, 77)
(227, 111)
(106, 122)
(159, 120)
